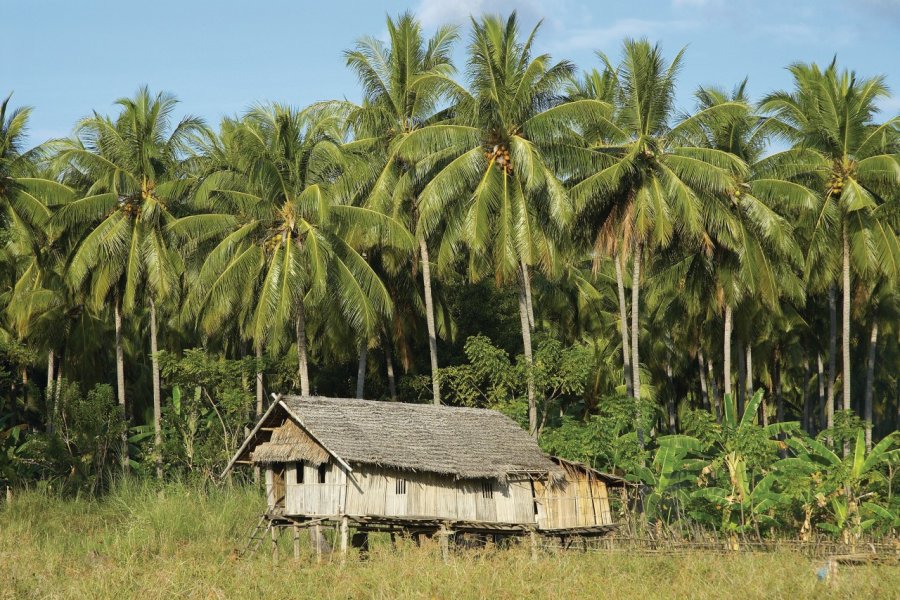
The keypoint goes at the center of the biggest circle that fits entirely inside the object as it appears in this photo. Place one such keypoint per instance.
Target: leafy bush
(80, 452)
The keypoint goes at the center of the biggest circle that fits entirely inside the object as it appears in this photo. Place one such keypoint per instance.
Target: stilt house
(414, 467)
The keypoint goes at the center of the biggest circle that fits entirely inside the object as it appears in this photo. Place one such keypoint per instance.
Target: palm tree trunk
(704, 393)
(845, 333)
(779, 397)
(48, 395)
(526, 275)
(120, 377)
(635, 333)
(749, 373)
(635, 325)
(870, 381)
(623, 326)
(429, 320)
(741, 383)
(714, 389)
(259, 381)
(526, 342)
(832, 352)
(260, 395)
(897, 408)
(389, 362)
(670, 401)
(825, 418)
(361, 370)
(157, 401)
(808, 424)
(57, 387)
(726, 350)
(302, 358)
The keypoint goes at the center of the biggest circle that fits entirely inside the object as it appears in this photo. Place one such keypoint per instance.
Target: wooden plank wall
(373, 491)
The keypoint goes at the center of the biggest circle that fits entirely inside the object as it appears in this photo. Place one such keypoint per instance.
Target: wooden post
(317, 532)
(296, 542)
(274, 530)
(534, 545)
(444, 536)
(345, 530)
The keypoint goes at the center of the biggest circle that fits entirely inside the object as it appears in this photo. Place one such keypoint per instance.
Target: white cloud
(437, 12)
(598, 37)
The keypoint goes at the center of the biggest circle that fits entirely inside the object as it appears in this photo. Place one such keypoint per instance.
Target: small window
(400, 486)
(298, 472)
(323, 470)
(487, 489)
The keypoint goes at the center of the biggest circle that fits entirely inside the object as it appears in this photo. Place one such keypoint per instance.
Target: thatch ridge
(467, 443)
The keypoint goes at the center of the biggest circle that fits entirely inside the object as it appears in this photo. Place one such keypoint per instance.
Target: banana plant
(840, 487)
(736, 491)
(668, 474)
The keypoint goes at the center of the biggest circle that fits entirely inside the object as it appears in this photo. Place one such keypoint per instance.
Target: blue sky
(67, 58)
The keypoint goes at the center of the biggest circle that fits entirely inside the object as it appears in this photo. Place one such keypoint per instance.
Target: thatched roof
(467, 443)
(289, 443)
(608, 478)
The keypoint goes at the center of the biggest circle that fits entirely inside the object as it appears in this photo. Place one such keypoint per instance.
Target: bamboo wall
(582, 500)
(311, 497)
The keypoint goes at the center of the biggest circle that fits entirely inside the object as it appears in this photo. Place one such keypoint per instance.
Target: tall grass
(148, 542)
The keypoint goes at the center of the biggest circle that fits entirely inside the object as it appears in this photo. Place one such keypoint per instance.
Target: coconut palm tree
(751, 251)
(601, 85)
(403, 84)
(286, 243)
(829, 116)
(649, 186)
(499, 196)
(27, 196)
(131, 164)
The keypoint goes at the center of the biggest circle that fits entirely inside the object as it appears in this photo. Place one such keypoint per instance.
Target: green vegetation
(178, 541)
(651, 292)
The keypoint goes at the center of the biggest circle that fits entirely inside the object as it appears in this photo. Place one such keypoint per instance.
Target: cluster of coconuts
(130, 205)
(837, 184)
(501, 155)
(273, 242)
(132, 209)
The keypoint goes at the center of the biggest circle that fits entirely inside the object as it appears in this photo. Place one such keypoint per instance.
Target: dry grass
(178, 542)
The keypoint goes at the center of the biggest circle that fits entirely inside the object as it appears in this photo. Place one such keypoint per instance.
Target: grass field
(140, 542)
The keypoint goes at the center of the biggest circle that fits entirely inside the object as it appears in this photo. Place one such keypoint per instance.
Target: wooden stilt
(534, 545)
(444, 536)
(345, 531)
(296, 542)
(317, 531)
(274, 531)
